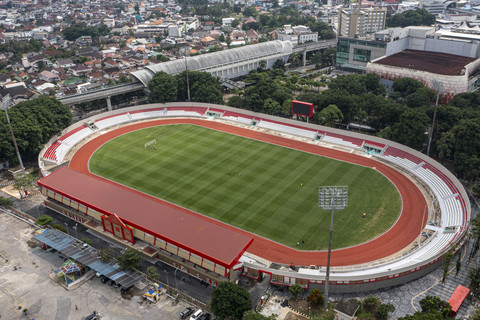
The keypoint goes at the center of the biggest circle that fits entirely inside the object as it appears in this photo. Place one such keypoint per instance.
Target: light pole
(331, 198)
(6, 100)
(66, 226)
(113, 250)
(175, 275)
(188, 82)
(166, 275)
(437, 86)
(75, 228)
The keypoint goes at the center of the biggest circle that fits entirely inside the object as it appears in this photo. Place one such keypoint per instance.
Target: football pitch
(265, 189)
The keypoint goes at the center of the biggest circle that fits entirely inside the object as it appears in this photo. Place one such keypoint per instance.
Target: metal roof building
(229, 64)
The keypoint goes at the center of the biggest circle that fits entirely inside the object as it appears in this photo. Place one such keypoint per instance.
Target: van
(196, 315)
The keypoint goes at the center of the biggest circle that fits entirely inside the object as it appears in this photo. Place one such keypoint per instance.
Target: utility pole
(6, 101)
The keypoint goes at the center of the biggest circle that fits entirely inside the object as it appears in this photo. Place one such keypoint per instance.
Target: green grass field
(269, 190)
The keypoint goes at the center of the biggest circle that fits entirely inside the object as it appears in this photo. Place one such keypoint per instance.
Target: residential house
(79, 70)
(65, 63)
(49, 76)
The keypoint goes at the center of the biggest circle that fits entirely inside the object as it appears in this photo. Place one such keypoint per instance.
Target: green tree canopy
(203, 87)
(329, 115)
(34, 122)
(44, 220)
(130, 260)
(418, 17)
(163, 88)
(229, 301)
(295, 290)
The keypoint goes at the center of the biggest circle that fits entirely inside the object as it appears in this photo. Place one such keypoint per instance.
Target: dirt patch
(32, 243)
(293, 316)
(302, 305)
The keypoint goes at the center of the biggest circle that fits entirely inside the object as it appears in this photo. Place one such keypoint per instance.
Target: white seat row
(112, 121)
(339, 141)
(287, 129)
(182, 113)
(238, 119)
(406, 163)
(147, 114)
(77, 136)
(438, 184)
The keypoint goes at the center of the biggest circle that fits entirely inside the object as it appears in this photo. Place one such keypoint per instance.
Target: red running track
(403, 233)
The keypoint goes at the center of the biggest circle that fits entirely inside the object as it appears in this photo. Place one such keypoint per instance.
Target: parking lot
(30, 287)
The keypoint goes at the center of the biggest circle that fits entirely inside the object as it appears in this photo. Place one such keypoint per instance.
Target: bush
(371, 303)
(44, 220)
(5, 202)
(315, 298)
(59, 227)
(476, 188)
(384, 309)
(295, 290)
(87, 241)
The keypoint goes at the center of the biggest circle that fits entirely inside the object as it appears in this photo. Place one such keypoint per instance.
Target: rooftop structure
(435, 62)
(139, 212)
(230, 63)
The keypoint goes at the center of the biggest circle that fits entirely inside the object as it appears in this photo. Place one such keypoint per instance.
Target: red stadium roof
(168, 222)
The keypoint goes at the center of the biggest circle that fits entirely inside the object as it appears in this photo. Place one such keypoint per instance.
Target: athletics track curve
(403, 233)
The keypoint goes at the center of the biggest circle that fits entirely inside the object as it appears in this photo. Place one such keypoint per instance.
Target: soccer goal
(151, 144)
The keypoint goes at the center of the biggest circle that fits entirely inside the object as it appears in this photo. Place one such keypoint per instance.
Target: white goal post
(152, 144)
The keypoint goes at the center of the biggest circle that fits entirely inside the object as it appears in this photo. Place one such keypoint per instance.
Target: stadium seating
(309, 134)
(336, 140)
(147, 114)
(111, 121)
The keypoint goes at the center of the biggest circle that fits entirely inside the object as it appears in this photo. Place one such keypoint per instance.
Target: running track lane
(403, 233)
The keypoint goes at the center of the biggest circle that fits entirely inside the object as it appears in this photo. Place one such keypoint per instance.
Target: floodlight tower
(6, 101)
(331, 198)
(438, 87)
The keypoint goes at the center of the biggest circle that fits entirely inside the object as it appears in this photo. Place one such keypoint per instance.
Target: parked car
(196, 315)
(93, 316)
(104, 279)
(185, 313)
(205, 316)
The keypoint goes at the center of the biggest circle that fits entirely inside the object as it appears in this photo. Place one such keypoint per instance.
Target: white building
(354, 22)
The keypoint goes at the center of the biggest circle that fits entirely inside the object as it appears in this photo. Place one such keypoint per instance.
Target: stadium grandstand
(132, 222)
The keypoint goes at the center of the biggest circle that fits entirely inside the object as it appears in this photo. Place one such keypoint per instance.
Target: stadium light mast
(188, 82)
(6, 100)
(438, 87)
(331, 198)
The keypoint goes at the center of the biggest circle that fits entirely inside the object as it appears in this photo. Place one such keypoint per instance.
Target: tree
(329, 115)
(271, 106)
(44, 220)
(252, 315)
(22, 183)
(295, 290)
(447, 259)
(476, 188)
(458, 265)
(474, 276)
(384, 309)
(249, 12)
(203, 87)
(431, 304)
(152, 273)
(371, 304)
(230, 301)
(130, 260)
(279, 64)
(163, 88)
(461, 144)
(315, 298)
(418, 17)
(406, 86)
(410, 130)
(106, 254)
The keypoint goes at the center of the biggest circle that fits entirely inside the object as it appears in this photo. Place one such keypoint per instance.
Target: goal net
(151, 144)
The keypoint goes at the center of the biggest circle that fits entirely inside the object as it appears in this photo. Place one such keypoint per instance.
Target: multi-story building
(296, 34)
(354, 22)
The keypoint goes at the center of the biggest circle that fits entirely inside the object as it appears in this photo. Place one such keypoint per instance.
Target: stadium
(123, 175)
